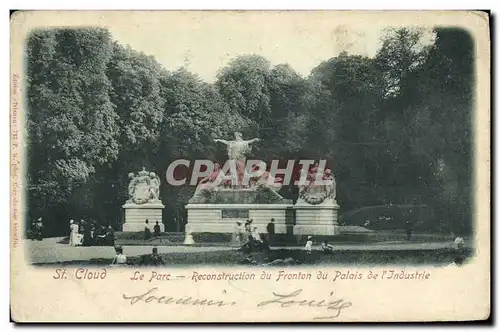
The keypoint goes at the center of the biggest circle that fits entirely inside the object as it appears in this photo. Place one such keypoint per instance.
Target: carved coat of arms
(144, 187)
(314, 193)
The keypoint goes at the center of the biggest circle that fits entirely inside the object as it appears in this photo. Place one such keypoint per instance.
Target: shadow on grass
(64, 240)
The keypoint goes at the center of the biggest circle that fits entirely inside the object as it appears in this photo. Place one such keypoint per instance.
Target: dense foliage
(395, 128)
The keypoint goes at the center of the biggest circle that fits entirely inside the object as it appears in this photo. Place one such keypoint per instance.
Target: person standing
(93, 235)
(81, 229)
(39, 229)
(157, 229)
(256, 235)
(147, 230)
(70, 236)
(308, 247)
(409, 230)
(270, 231)
(78, 234)
(248, 226)
(110, 236)
(32, 230)
(81, 226)
(236, 240)
(74, 239)
(248, 231)
(241, 233)
(87, 239)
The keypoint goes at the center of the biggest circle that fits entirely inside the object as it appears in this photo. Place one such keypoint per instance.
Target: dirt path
(49, 250)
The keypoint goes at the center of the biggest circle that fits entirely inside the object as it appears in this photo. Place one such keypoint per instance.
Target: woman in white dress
(75, 238)
(72, 237)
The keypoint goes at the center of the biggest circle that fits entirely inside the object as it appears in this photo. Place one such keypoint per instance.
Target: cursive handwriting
(333, 306)
(288, 300)
(165, 299)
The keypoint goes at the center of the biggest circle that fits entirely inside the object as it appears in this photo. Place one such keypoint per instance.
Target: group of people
(153, 259)
(36, 230)
(325, 246)
(87, 234)
(248, 237)
(147, 230)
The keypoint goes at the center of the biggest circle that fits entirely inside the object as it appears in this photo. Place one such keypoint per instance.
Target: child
(309, 244)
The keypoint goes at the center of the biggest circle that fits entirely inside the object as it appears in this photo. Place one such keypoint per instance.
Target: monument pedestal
(136, 215)
(218, 210)
(320, 219)
(222, 218)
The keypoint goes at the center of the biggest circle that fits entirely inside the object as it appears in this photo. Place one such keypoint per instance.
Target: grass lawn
(342, 257)
(221, 240)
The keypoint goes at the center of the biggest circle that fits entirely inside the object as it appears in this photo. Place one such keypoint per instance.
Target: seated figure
(120, 259)
(152, 259)
(327, 248)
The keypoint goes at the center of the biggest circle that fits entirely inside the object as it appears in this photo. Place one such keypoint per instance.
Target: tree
(271, 97)
(444, 124)
(136, 95)
(343, 109)
(72, 124)
(403, 51)
(427, 121)
(244, 86)
(195, 114)
(401, 59)
(395, 128)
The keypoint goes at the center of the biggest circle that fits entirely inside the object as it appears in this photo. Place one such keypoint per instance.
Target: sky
(205, 43)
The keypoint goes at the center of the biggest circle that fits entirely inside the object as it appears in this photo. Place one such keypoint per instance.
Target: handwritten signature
(284, 300)
(290, 300)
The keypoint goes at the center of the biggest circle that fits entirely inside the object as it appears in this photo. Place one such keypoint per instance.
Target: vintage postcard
(250, 166)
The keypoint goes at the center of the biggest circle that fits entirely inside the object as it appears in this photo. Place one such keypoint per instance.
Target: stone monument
(143, 202)
(217, 205)
(316, 210)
